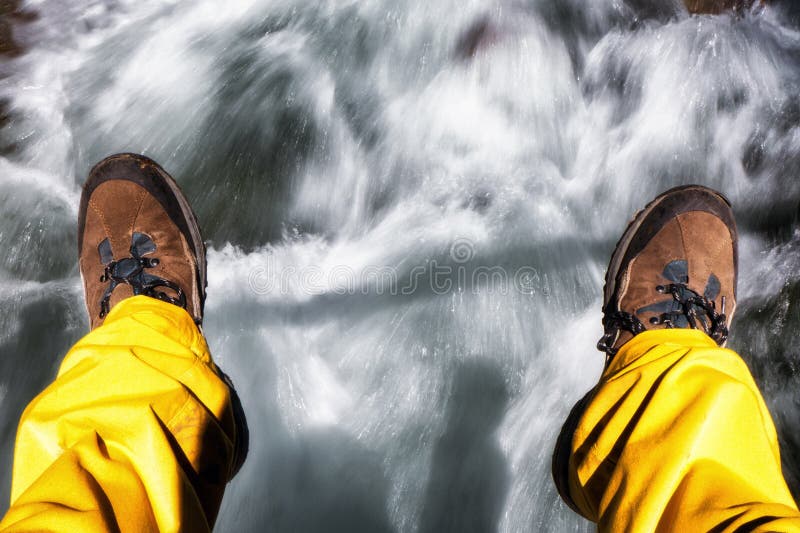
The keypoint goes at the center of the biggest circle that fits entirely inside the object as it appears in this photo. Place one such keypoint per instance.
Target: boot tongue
(120, 293)
(123, 291)
(126, 268)
(675, 272)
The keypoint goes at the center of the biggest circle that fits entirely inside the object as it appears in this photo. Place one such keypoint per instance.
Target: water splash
(339, 152)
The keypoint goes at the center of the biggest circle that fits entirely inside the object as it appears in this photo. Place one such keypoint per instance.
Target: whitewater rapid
(409, 207)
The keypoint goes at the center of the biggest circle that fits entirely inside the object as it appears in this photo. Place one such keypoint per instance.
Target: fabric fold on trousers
(676, 437)
(135, 434)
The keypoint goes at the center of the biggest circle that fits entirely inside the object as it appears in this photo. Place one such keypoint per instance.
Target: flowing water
(409, 207)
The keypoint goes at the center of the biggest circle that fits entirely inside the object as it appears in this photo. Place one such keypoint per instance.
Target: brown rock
(717, 6)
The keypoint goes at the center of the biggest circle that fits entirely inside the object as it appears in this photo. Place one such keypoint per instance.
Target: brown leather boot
(674, 267)
(137, 234)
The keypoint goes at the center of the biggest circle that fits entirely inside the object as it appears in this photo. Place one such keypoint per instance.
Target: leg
(136, 434)
(140, 431)
(675, 436)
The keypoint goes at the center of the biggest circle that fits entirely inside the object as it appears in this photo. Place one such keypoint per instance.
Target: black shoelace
(131, 271)
(690, 308)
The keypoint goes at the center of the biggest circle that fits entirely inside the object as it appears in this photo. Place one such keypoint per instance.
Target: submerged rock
(480, 34)
(717, 6)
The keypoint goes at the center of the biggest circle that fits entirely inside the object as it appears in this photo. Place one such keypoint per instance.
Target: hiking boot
(137, 234)
(674, 267)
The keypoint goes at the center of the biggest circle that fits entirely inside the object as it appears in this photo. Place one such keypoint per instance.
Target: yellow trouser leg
(135, 434)
(678, 438)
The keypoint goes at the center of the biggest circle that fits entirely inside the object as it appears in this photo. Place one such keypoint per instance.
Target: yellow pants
(135, 434)
(676, 437)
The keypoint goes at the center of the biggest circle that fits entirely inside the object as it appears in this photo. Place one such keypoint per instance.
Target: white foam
(533, 153)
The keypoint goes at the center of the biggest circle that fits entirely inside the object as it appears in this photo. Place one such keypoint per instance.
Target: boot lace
(613, 323)
(131, 271)
(689, 308)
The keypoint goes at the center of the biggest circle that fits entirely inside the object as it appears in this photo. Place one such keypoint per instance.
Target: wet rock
(12, 14)
(717, 6)
(480, 34)
(753, 157)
